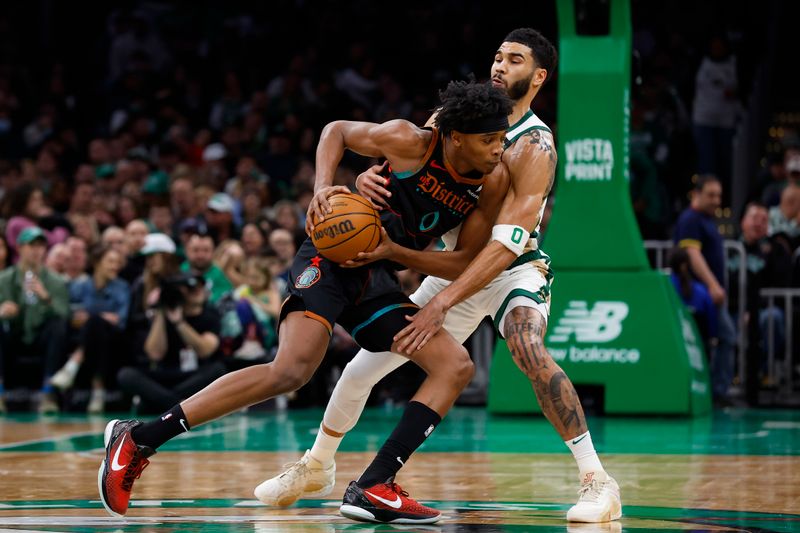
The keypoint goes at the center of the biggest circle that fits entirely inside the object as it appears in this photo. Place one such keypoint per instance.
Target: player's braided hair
(466, 103)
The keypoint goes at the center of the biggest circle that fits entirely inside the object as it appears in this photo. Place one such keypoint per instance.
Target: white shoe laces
(300, 467)
(591, 492)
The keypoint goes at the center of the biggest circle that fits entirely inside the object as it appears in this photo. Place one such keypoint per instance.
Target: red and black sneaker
(122, 466)
(385, 502)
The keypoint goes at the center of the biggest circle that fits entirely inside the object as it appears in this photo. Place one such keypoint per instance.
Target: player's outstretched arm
(399, 141)
(474, 234)
(532, 163)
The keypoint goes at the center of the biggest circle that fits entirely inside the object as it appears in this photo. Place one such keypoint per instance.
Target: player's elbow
(333, 128)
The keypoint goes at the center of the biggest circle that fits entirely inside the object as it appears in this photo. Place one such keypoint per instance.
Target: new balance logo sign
(601, 323)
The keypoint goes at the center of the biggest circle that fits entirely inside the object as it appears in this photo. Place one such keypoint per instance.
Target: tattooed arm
(532, 164)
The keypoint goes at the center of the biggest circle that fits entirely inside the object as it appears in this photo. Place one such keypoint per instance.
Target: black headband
(485, 125)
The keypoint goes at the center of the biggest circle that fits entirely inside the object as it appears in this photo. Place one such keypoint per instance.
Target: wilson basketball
(354, 226)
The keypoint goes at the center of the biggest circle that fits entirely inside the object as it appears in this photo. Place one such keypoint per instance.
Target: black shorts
(368, 301)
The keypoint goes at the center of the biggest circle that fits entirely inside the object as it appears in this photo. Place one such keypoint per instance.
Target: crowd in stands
(150, 212)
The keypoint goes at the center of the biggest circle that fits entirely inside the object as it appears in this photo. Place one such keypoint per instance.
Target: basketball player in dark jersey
(436, 177)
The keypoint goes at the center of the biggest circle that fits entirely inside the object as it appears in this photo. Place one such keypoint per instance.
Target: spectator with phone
(34, 306)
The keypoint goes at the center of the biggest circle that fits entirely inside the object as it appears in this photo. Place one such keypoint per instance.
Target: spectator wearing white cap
(160, 264)
(220, 217)
(214, 156)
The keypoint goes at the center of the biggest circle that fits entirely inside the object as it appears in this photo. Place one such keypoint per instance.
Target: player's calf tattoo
(524, 332)
(566, 404)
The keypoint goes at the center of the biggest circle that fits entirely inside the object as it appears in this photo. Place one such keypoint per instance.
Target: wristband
(512, 237)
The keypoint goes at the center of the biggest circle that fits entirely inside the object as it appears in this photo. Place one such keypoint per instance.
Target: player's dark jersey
(367, 301)
(428, 202)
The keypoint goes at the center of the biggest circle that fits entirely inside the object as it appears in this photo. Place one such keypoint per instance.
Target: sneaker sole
(615, 513)
(324, 491)
(357, 513)
(290, 499)
(268, 500)
(106, 437)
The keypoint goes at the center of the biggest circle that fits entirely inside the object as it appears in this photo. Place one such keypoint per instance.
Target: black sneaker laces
(134, 471)
(394, 487)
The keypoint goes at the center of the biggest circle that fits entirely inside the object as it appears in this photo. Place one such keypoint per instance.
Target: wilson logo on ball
(334, 230)
(352, 226)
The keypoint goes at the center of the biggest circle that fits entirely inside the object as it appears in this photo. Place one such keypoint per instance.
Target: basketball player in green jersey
(508, 280)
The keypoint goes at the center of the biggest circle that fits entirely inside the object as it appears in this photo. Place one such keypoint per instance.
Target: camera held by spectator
(172, 294)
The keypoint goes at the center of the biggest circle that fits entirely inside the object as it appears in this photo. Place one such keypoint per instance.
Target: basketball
(352, 227)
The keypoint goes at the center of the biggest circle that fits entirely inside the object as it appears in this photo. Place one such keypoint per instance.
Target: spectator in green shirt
(34, 307)
(199, 260)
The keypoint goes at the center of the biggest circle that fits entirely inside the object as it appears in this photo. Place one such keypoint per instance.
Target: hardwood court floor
(737, 470)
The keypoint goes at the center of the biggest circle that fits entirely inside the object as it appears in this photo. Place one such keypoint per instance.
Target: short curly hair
(544, 53)
(465, 102)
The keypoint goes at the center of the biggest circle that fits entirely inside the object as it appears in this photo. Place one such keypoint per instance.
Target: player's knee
(289, 378)
(355, 381)
(463, 368)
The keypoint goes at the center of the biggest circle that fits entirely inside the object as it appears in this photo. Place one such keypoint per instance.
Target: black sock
(417, 423)
(158, 431)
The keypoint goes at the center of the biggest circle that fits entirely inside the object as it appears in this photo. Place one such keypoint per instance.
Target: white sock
(582, 449)
(325, 447)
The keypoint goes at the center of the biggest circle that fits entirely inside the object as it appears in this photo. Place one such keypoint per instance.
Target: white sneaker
(64, 378)
(599, 500)
(97, 403)
(250, 350)
(48, 404)
(306, 477)
(601, 527)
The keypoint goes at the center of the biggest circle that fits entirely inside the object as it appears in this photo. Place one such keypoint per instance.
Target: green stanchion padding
(593, 226)
(605, 331)
(614, 322)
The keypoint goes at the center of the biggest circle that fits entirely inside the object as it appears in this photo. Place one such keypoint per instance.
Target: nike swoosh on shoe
(394, 504)
(115, 466)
